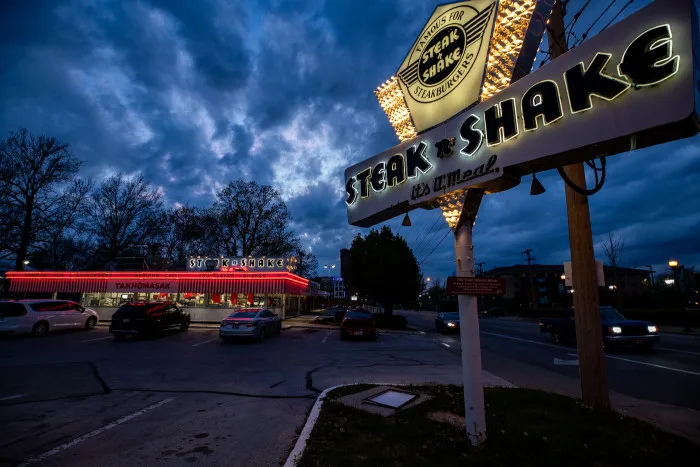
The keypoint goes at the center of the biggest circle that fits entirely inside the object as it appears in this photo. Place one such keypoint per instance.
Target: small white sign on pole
(599, 272)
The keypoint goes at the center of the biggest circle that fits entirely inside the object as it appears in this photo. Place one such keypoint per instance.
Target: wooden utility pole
(594, 383)
(530, 259)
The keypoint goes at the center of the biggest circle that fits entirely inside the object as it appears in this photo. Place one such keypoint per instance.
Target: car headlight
(451, 325)
(616, 329)
(652, 328)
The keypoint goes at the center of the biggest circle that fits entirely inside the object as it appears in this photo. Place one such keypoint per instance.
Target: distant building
(551, 291)
(335, 286)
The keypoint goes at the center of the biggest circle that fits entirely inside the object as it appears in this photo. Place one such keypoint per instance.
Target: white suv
(37, 317)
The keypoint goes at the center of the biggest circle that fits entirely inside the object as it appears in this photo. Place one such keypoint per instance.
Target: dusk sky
(193, 94)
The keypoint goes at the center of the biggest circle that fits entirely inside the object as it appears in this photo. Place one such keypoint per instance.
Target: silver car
(37, 317)
(256, 323)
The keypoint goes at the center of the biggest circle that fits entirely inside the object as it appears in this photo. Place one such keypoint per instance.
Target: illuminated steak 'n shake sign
(613, 93)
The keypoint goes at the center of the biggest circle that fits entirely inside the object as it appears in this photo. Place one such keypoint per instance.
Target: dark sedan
(447, 322)
(148, 318)
(358, 324)
(617, 330)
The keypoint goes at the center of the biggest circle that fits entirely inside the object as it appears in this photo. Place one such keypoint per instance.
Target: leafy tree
(40, 198)
(250, 219)
(125, 215)
(384, 269)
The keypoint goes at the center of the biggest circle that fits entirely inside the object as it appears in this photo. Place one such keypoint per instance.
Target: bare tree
(185, 234)
(125, 215)
(39, 198)
(307, 264)
(250, 219)
(612, 246)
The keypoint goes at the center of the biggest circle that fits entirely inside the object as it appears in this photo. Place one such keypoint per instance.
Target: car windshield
(454, 316)
(610, 314)
(358, 315)
(243, 314)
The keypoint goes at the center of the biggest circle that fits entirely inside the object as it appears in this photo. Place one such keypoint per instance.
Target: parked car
(447, 322)
(37, 317)
(617, 330)
(147, 319)
(358, 324)
(255, 323)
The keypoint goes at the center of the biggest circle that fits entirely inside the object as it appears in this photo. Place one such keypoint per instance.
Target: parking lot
(81, 397)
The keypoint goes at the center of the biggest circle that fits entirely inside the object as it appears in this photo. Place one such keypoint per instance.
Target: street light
(672, 263)
(562, 277)
(669, 281)
(427, 279)
(26, 261)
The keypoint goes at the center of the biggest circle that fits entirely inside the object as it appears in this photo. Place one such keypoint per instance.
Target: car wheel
(184, 325)
(261, 336)
(226, 339)
(279, 328)
(40, 328)
(119, 337)
(90, 323)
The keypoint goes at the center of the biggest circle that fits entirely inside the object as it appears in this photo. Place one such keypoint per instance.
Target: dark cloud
(195, 94)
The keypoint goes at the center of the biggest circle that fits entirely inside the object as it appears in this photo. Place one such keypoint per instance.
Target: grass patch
(525, 427)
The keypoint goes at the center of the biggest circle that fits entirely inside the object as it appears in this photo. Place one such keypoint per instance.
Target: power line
(585, 34)
(573, 21)
(618, 14)
(435, 248)
(423, 244)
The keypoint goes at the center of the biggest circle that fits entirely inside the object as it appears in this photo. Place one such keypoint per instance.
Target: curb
(106, 324)
(380, 331)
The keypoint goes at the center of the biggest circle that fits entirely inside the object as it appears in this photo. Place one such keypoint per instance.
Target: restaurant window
(221, 300)
(192, 299)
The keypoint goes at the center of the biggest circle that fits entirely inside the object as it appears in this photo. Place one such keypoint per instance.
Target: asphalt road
(516, 351)
(81, 398)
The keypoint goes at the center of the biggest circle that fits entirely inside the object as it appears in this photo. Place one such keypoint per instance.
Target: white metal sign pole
(474, 415)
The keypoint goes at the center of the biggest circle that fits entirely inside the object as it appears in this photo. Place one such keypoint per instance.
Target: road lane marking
(654, 365)
(608, 356)
(328, 334)
(9, 398)
(446, 345)
(679, 351)
(92, 434)
(97, 339)
(205, 342)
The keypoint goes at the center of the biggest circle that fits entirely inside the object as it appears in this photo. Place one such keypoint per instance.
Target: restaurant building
(210, 289)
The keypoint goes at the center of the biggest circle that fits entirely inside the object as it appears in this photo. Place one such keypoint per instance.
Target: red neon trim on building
(177, 282)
